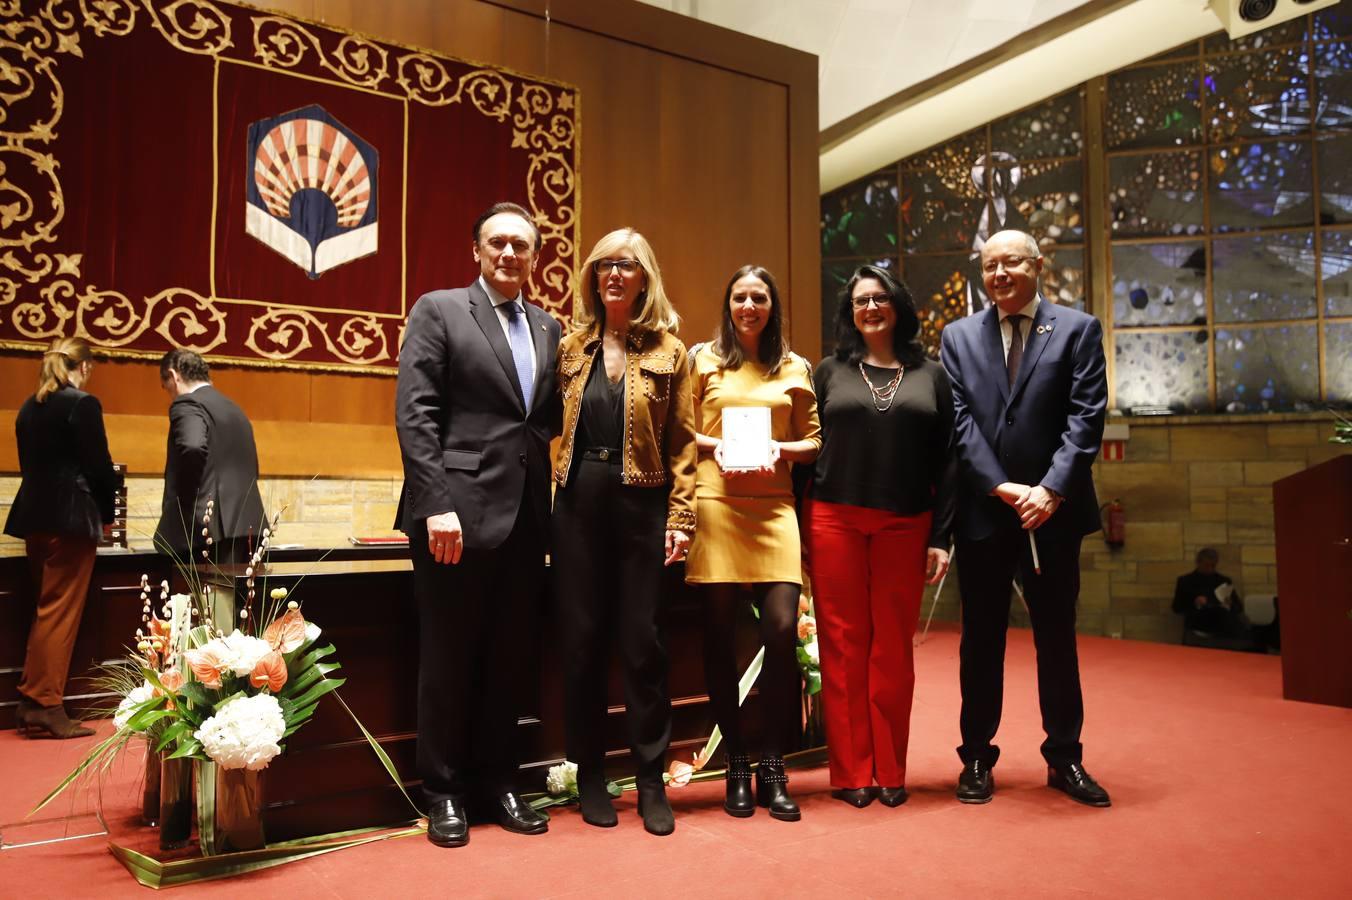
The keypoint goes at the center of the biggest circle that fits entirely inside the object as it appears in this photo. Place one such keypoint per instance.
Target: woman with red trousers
(878, 524)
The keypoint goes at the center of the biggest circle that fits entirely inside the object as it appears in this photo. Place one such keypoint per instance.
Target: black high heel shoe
(772, 790)
(30, 717)
(740, 802)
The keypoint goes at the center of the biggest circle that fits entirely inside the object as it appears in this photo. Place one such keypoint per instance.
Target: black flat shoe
(859, 797)
(976, 784)
(597, 807)
(739, 801)
(447, 825)
(516, 815)
(893, 796)
(656, 811)
(1075, 781)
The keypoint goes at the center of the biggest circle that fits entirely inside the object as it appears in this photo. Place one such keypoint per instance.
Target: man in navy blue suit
(1029, 397)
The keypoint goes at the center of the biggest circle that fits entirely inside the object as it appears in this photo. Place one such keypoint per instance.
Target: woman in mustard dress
(748, 532)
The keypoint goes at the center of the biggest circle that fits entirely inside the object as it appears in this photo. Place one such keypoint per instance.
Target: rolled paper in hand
(1032, 542)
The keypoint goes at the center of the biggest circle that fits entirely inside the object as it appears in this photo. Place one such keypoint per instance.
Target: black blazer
(468, 443)
(68, 477)
(1045, 430)
(211, 456)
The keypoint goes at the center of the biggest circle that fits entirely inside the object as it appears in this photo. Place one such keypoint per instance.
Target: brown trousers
(61, 567)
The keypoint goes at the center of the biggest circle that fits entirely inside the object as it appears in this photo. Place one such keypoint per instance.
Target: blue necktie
(518, 335)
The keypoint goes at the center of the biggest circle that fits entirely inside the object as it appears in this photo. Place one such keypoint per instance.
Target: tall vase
(150, 790)
(229, 809)
(176, 807)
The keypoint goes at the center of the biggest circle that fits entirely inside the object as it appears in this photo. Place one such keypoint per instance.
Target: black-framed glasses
(627, 266)
(991, 266)
(878, 300)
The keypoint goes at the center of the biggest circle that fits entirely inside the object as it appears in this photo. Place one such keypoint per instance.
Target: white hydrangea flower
(562, 779)
(812, 652)
(135, 696)
(244, 733)
(240, 653)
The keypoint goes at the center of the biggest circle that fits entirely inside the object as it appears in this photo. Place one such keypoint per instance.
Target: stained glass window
(1159, 284)
(1335, 268)
(1256, 94)
(1163, 368)
(1155, 194)
(1338, 362)
(1049, 129)
(1263, 277)
(1261, 185)
(861, 219)
(1266, 369)
(1153, 106)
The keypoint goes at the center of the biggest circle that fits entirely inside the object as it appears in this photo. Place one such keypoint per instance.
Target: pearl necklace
(887, 392)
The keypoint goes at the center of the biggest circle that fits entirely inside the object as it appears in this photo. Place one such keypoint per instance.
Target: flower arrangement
(809, 656)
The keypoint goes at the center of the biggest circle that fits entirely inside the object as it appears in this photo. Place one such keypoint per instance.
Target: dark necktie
(518, 335)
(1015, 347)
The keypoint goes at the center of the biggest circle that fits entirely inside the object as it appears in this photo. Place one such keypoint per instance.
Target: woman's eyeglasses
(627, 266)
(878, 300)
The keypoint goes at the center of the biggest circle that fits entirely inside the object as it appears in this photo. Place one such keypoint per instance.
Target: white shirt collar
(493, 296)
(1029, 310)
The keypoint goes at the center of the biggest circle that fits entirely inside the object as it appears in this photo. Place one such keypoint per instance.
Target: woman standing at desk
(64, 499)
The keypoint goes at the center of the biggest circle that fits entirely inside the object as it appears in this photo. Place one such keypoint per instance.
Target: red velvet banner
(264, 190)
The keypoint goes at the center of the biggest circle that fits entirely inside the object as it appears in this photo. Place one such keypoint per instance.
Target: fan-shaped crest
(309, 153)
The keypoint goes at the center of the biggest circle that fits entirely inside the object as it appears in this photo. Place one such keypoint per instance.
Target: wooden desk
(328, 779)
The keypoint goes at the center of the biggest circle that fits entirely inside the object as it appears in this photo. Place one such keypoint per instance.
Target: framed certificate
(746, 437)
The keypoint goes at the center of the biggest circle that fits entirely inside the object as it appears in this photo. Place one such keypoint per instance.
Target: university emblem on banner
(311, 189)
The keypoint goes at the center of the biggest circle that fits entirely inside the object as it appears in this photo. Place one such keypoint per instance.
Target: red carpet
(1220, 788)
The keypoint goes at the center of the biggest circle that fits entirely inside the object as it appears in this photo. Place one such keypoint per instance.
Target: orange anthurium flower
(270, 672)
(172, 679)
(680, 773)
(205, 665)
(287, 633)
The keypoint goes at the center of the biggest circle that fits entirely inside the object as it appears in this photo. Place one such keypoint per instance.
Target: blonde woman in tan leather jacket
(624, 507)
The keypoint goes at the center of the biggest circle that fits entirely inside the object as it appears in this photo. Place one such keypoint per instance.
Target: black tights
(779, 681)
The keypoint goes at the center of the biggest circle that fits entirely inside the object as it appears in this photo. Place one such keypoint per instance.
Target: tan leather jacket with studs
(659, 419)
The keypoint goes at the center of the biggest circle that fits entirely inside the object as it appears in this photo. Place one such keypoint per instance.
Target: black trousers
(607, 553)
(471, 619)
(985, 571)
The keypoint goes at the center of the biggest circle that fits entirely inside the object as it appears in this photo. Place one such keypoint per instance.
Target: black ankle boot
(740, 801)
(594, 798)
(657, 816)
(772, 790)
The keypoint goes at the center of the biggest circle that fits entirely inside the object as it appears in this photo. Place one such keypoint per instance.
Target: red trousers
(868, 574)
(61, 567)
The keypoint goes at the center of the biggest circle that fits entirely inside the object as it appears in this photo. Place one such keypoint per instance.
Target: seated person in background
(1207, 600)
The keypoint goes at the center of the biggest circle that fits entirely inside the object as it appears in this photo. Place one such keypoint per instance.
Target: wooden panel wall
(701, 138)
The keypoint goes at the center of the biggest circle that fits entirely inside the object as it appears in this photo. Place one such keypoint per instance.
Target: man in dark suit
(475, 411)
(211, 460)
(1029, 397)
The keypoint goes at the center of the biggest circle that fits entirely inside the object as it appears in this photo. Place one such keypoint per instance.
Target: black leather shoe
(594, 799)
(859, 797)
(772, 790)
(739, 801)
(1075, 781)
(893, 796)
(447, 825)
(657, 816)
(976, 784)
(515, 814)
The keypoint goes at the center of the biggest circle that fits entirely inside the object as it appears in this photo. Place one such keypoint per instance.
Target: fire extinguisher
(1114, 519)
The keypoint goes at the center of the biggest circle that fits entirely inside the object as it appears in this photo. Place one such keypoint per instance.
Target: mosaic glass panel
(939, 284)
(1338, 363)
(951, 157)
(1335, 268)
(1289, 32)
(1267, 369)
(1153, 107)
(1333, 85)
(1156, 194)
(1053, 128)
(1335, 178)
(1047, 200)
(1268, 276)
(1261, 185)
(940, 210)
(1063, 276)
(1258, 94)
(861, 219)
(1162, 369)
(1334, 22)
(1159, 284)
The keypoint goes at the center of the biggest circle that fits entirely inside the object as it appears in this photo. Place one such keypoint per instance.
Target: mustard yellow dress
(747, 531)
